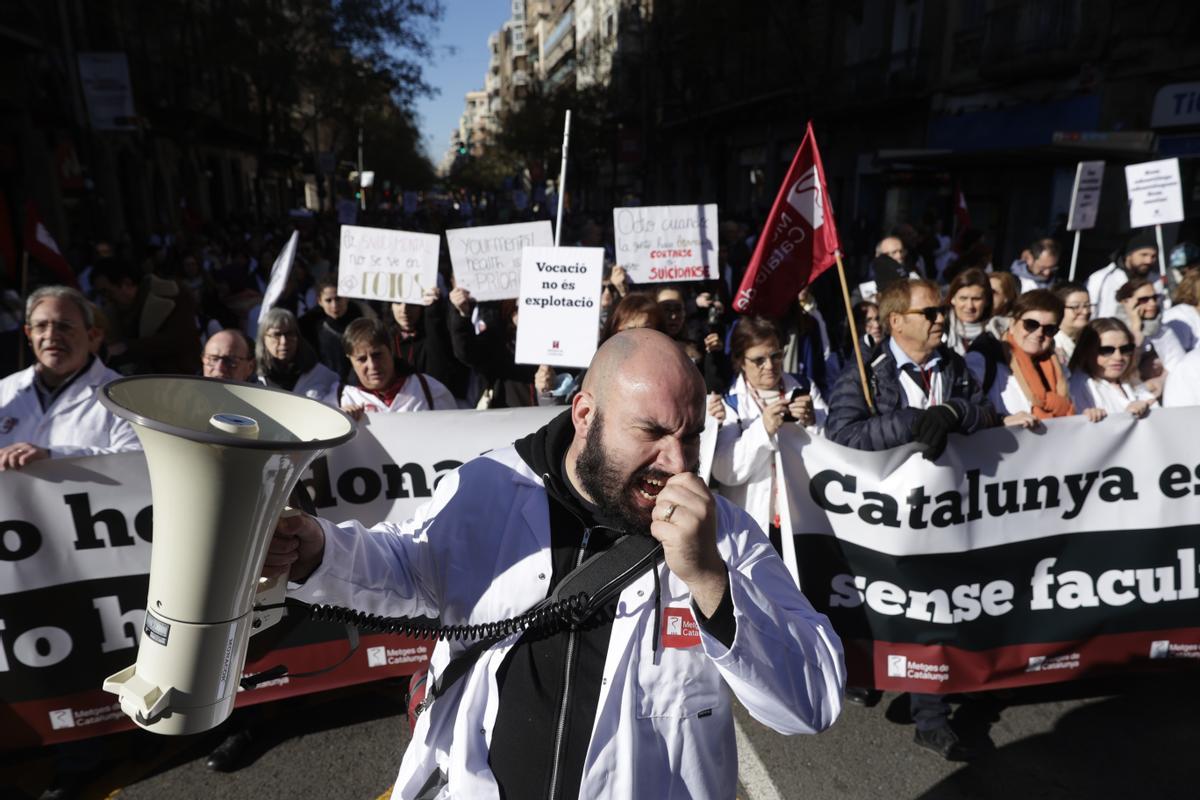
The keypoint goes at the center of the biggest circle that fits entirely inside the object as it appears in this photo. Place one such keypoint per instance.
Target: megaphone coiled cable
(541, 618)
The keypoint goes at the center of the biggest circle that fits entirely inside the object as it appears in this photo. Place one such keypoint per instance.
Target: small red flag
(962, 216)
(42, 247)
(798, 242)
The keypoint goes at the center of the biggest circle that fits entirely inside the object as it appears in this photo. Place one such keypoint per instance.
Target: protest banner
(1155, 193)
(487, 260)
(559, 309)
(383, 264)
(1014, 560)
(75, 551)
(656, 244)
(279, 275)
(1085, 203)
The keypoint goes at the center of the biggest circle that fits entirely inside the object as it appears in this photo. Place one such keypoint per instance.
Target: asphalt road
(1134, 738)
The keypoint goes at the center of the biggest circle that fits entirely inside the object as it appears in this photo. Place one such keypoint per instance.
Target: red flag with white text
(798, 242)
(41, 247)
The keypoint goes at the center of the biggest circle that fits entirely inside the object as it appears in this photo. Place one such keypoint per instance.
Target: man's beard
(612, 492)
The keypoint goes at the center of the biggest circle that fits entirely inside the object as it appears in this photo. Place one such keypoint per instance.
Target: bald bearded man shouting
(634, 701)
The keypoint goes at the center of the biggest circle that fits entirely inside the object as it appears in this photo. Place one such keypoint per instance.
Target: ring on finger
(670, 510)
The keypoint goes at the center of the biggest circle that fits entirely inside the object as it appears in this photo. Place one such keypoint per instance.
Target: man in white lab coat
(636, 700)
(52, 409)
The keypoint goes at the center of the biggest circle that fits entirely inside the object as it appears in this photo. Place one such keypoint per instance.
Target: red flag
(962, 217)
(797, 244)
(41, 246)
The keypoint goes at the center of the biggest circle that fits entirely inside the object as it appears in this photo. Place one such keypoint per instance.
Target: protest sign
(75, 553)
(383, 264)
(1155, 193)
(487, 260)
(667, 243)
(1085, 196)
(104, 78)
(559, 305)
(1018, 558)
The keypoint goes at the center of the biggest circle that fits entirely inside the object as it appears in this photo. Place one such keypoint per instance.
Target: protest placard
(382, 264)
(1085, 196)
(487, 260)
(1155, 193)
(559, 305)
(667, 243)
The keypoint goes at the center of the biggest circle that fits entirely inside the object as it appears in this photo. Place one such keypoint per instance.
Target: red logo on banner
(679, 628)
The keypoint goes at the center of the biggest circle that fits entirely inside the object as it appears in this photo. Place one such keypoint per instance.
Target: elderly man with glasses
(227, 355)
(921, 391)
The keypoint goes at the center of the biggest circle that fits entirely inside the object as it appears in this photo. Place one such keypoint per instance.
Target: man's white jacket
(75, 424)
(664, 724)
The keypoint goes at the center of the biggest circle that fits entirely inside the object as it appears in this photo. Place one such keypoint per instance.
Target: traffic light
(462, 149)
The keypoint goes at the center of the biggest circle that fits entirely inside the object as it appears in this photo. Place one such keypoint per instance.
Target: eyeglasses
(277, 335)
(931, 313)
(1141, 301)
(1031, 325)
(228, 361)
(761, 361)
(1107, 350)
(42, 325)
(1077, 307)
(608, 287)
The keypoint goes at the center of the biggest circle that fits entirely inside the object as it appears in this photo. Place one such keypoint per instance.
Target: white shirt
(1096, 393)
(1183, 383)
(75, 423)
(664, 721)
(1184, 320)
(1167, 345)
(914, 394)
(411, 397)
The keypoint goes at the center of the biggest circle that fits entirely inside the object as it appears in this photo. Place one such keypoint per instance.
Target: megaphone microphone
(223, 458)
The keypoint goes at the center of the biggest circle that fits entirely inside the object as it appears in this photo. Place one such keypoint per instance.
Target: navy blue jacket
(851, 423)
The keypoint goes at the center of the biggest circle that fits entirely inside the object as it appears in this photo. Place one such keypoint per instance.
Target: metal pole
(562, 179)
(1162, 257)
(362, 195)
(1074, 257)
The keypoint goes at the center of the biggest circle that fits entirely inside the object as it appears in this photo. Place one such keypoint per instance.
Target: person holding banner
(1104, 372)
(51, 409)
(1028, 384)
(637, 700)
(761, 401)
(385, 382)
(286, 361)
(1077, 313)
(920, 391)
(1136, 259)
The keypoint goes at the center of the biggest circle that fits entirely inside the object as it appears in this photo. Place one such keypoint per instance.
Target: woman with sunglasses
(761, 401)
(1029, 384)
(1140, 307)
(1104, 376)
(1077, 313)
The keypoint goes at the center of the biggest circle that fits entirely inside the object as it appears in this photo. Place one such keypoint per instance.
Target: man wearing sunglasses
(922, 392)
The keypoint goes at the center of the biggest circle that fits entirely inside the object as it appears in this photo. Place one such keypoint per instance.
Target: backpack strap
(425, 390)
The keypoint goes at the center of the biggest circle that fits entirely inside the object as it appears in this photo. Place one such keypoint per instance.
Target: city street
(1077, 740)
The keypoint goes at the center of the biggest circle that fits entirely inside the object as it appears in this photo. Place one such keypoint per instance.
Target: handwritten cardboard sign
(383, 264)
(487, 260)
(656, 244)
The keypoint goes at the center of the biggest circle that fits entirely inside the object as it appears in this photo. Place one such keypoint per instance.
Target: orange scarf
(1034, 375)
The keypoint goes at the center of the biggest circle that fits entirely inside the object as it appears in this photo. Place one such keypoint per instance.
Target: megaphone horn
(223, 458)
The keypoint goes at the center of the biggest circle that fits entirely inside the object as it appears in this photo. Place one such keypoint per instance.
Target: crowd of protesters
(950, 343)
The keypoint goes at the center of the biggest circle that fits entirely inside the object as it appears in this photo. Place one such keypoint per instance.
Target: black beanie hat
(1141, 239)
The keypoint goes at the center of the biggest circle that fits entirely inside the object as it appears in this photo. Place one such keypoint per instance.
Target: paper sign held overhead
(487, 260)
(559, 322)
(1085, 196)
(656, 244)
(1155, 193)
(383, 264)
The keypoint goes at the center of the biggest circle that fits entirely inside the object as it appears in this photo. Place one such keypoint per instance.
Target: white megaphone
(223, 458)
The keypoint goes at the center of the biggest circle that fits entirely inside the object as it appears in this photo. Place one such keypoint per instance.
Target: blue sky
(460, 62)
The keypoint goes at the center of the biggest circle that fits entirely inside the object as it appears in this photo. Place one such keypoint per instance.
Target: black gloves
(932, 427)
